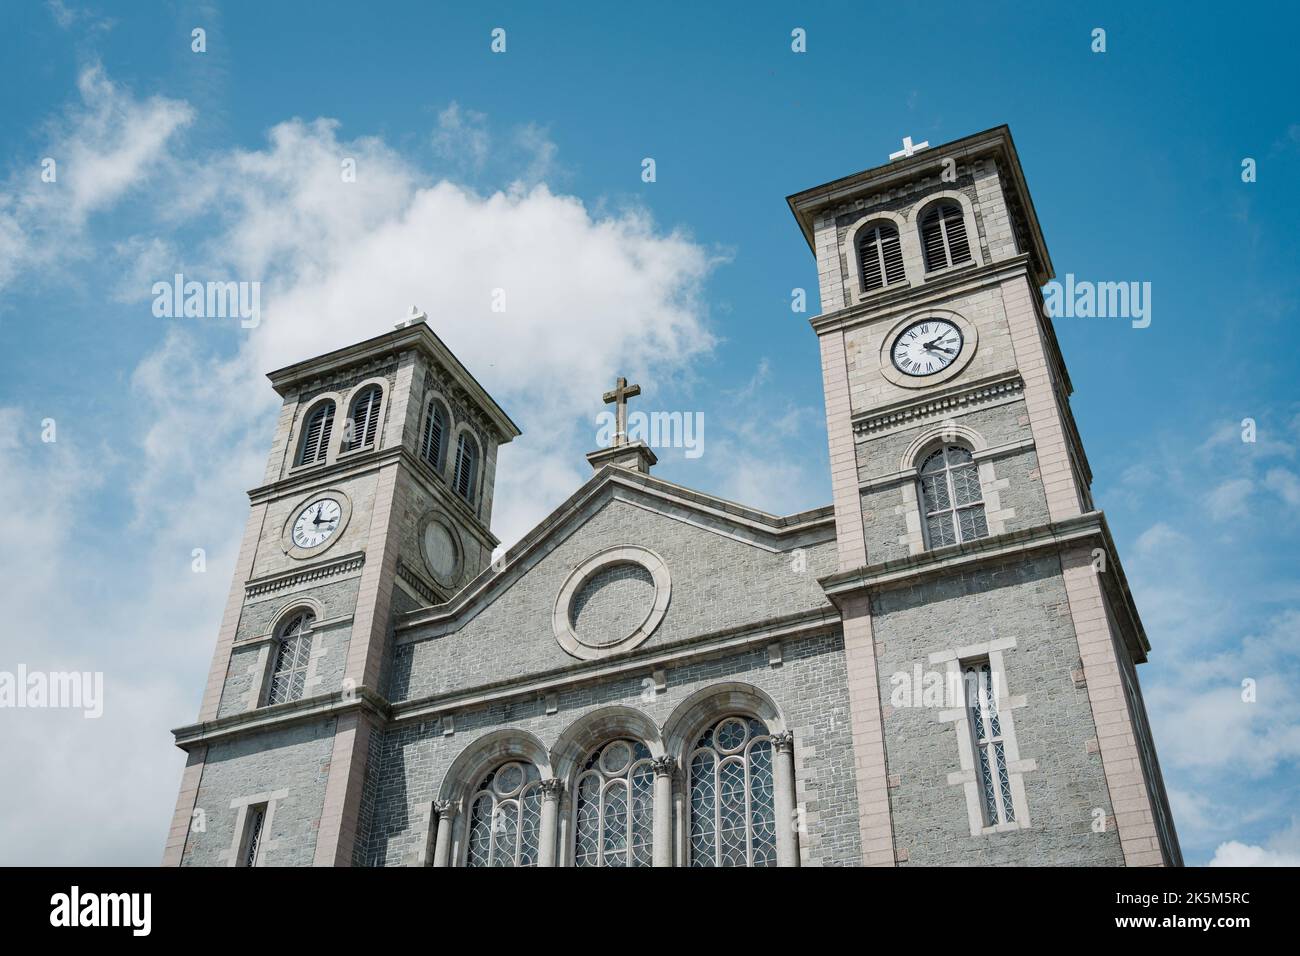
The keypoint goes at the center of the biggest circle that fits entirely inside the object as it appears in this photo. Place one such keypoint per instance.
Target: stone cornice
(936, 405)
(271, 583)
(932, 292)
(303, 482)
(1056, 536)
(281, 715)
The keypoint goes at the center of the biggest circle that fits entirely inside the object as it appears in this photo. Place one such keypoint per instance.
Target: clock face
(926, 347)
(316, 523)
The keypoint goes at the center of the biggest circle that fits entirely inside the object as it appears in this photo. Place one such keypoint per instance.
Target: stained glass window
(614, 806)
(505, 818)
(990, 756)
(952, 502)
(289, 678)
(732, 807)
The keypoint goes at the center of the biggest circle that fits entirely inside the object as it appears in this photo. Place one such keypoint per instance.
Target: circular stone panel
(611, 602)
(442, 551)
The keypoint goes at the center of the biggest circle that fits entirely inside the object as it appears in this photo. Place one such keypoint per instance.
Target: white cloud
(1233, 853)
(1228, 499)
(104, 147)
(1285, 485)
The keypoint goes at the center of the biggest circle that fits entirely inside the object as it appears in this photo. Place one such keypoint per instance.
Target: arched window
(880, 256)
(432, 439)
(732, 805)
(466, 467)
(952, 503)
(364, 417)
(316, 435)
(294, 650)
(943, 236)
(614, 807)
(505, 817)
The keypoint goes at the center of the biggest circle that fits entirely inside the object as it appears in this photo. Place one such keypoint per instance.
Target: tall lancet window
(952, 502)
(732, 806)
(466, 467)
(880, 256)
(364, 417)
(990, 756)
(614, 807)
(316, 435)
(505, 818)
(289, 678)
(943, 236)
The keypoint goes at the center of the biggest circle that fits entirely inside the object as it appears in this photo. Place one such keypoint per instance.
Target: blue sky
(522, 170)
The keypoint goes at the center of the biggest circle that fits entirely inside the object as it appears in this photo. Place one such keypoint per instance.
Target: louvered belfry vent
(316, 441)
(880, 257)
(943, 237)
(466, 464)
(365, 417)
(435, 426)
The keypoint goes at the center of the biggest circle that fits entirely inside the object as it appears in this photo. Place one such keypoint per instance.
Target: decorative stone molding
(417, 583)
(552, 788)
(914, 412)
(783, 742)
(562, 621)
(279, 582)
(665, 766)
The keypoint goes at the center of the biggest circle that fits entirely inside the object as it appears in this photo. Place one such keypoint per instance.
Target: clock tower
(377, 500)
(969, 547)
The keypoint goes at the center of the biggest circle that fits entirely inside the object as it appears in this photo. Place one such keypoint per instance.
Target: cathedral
(938, 667)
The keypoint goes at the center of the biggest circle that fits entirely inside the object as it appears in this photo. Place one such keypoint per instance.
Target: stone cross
(908, 150)
(622, 392)
(414, 316)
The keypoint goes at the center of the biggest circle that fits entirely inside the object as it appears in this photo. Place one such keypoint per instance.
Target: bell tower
(377, 500)
(968, 539)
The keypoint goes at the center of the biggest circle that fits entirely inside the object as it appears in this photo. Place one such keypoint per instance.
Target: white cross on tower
(622, 392)
(908, 150)
(414, 316)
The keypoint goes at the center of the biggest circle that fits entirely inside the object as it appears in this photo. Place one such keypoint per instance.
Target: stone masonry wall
(295, 759)
(1026, 600)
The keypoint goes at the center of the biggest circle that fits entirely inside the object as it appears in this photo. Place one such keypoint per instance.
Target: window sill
(1001, 828)
(948, 270)
(354, 452)
(883, 290)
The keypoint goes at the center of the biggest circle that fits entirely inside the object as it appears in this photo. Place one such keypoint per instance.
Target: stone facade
(820, 689)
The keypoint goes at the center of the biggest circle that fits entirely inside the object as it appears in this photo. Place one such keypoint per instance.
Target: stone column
(551, 791)
(446, 811)
(664, 768)
(787, 823)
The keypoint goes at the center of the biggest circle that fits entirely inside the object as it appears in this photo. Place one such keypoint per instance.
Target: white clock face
(316, 523)
(926, 347)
